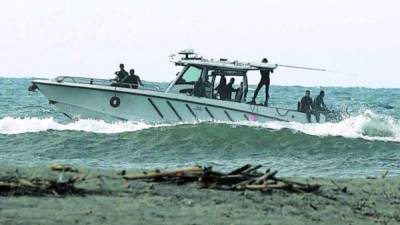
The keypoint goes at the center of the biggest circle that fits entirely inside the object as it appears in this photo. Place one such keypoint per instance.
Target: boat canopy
(234, 65)
(222, 64)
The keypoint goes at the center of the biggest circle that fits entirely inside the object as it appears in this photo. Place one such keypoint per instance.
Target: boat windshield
(190, 76)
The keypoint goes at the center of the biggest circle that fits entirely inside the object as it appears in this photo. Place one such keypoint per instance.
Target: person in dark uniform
(239, 93)
(221, 88)
(265, 80)
(319, 104)
(230, 89)
(134, 79)
(199, 89)
(306, 105)
(122, 75)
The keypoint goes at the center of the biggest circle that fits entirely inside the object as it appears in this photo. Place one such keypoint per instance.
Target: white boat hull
(78, 100)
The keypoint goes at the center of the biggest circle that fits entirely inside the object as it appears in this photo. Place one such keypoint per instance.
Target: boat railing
(83, 80)
(103, 82)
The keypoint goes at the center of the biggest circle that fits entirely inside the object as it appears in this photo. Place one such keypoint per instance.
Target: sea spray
(367, 125)
(10, 125)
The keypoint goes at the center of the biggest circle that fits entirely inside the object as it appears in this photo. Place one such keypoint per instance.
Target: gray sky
(48, 38)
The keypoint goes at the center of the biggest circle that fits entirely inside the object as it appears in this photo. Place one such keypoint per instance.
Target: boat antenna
(302, 67)
(316, 69)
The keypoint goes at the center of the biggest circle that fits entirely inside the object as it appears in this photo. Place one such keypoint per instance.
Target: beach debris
(384, 174)
(342, 189)
(246, 177)
(185, 173)
(62, 168)
(37, 186)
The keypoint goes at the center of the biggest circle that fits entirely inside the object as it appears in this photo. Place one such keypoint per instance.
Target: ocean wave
(10, 125)
(366, 125)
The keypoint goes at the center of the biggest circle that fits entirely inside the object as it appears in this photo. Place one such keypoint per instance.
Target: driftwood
(38, 187)
(190, 171)
(240, 169)
(246, 177)
(62, 168)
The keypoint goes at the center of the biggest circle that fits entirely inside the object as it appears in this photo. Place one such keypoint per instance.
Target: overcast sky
(360, 38)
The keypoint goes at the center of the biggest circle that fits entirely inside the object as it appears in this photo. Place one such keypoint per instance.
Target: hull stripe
(155, 107)
(191, 111)
(229, 116)
(67, 116)
(209, 113)
(173, 109)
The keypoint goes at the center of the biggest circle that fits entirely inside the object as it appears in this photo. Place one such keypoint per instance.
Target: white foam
(366, 125)
(10, 125)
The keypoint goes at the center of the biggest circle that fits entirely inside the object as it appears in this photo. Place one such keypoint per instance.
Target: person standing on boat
(319, 105)
(265, 80)
(221, 88)
(122, 75)
(239, 93)
(230, 89)
(306, 105)
(319, 102)
(134, 79)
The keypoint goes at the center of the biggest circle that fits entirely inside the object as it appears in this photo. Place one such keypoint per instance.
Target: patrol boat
(79, 97)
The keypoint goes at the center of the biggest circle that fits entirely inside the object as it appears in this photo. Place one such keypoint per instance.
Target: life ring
(115, 101)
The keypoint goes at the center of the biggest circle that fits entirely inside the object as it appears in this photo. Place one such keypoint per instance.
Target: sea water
(34, 133)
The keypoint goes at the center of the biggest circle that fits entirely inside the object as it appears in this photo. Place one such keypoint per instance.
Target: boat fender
(115, 101)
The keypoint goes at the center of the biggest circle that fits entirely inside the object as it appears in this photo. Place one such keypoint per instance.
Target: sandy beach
(110, 200)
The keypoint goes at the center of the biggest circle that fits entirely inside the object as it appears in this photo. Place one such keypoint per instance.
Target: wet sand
(115, 201)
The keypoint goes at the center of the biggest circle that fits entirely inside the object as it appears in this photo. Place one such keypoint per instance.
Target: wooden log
(6, 186)
(290, 182)
(301, 186)
(252, 169)
(240, 169)
(230, 179)
(263, 186)
(265, 177)
(190, 171)
(62, 168)
(26, 183)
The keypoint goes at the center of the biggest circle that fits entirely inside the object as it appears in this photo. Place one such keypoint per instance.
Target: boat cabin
(208, 73)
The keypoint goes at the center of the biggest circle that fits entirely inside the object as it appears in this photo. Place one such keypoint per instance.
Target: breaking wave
(10, 125)
(367, 125)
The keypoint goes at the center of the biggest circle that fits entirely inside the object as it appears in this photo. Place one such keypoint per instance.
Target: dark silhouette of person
(306, 105)
(265, 80)
(239, 93)
(122, 75)
(221, 88)
(199, 89)
(230, 89)
(208, 87)
(134, 79)
(319, 105)
(319, 102)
